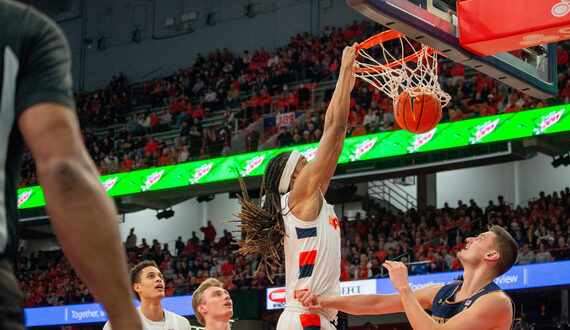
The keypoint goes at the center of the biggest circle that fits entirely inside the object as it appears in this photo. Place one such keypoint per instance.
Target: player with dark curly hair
(295, 215)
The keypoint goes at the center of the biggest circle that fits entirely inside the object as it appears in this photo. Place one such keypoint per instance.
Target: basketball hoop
(415, 72)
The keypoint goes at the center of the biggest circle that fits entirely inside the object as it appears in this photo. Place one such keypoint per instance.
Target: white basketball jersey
(312, 255)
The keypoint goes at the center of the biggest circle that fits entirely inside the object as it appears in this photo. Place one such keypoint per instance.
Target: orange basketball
(419, 114)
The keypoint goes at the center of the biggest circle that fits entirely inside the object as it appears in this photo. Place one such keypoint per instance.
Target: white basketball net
(415, 74)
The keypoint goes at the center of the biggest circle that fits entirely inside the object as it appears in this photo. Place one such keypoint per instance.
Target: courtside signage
(94, 313)
(375, 146)
(519, 277)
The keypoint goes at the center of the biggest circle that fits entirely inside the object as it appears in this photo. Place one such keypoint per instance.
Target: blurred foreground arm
(82, 215)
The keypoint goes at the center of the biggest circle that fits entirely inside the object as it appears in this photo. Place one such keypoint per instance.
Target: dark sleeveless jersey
(445, 307)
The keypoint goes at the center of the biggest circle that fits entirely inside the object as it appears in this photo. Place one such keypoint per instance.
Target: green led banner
(374, 146)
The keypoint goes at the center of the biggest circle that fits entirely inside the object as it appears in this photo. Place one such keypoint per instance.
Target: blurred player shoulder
(41, 53)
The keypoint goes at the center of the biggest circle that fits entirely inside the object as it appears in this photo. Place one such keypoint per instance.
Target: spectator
(284, 138)
(542, 255)
(512, 106)
(561, 58)
(437, 265)
(209, 232)
(561, 251)
(363, 270)
(526, 256)
(131, 242)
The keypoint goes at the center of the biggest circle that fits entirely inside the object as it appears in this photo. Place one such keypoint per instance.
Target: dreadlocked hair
(262, 226)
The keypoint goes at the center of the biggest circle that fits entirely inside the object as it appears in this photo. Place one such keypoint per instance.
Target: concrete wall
(163, 50)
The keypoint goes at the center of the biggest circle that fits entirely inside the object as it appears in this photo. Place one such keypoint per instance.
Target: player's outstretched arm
(82, 215)
(370, 304)
(320, 171)
(491, 311)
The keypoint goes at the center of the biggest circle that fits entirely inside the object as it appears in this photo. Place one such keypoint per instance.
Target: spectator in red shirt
(457, 73)
(154, 121)
(227, 268)
(281, 103)
(198, 112)
(190, 248)
(209, 232)
(381, 253)
(254, 102)
(565, 94)
(163, 159)
(561, 58)
(344, 273)
(126, 164)
(459, 245)
(265, 100)
(348, 33)
(292, 102)
(512, 106)
(151, 145)
(363, 271)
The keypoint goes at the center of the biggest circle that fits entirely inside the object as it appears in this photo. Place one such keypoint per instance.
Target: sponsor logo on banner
(350, 288)
(483, 130)
(23, 197)
(548, 120)
(560, 9)
(421, 139)
(310, 153)
(252, 164)
(362, 148)
(110, 183)
(277, 296)
(152, 179)
(200, 172)
(285, 119)
(506, 279)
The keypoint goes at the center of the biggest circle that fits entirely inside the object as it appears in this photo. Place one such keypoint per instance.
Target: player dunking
(475, 302)
(296, 212)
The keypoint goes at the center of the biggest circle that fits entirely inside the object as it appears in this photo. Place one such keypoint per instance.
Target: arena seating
(226, 103)
(428, 241)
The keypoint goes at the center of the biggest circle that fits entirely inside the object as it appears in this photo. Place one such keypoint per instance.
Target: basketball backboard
(434, 23)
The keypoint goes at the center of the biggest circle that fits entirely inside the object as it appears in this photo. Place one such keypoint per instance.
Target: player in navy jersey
(37, 107)
(475, 302)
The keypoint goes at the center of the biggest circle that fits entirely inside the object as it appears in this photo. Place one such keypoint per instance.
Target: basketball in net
(406, 71)
(417, 114)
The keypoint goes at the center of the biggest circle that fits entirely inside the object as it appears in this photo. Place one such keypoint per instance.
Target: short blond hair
(198, 296)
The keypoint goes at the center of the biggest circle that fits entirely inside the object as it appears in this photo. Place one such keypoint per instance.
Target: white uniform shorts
(292, 320)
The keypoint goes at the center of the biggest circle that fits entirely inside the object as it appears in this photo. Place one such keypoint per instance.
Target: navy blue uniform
(444, 305)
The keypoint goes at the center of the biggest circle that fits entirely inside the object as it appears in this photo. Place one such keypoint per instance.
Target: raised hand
(398, 274)
(348, 62)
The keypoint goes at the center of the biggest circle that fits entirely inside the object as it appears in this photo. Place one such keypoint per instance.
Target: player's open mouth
(228, 304)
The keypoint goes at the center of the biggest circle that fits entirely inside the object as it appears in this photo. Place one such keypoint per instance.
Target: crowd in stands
(428, 241)
(245, 87)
